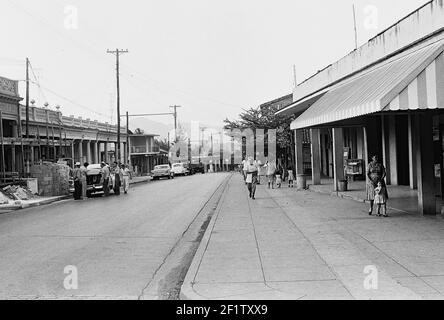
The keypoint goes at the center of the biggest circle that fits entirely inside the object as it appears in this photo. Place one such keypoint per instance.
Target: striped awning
(413, 80)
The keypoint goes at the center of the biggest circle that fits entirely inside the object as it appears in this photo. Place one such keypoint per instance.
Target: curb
(34, 204)
(139, 182)
(187, 291)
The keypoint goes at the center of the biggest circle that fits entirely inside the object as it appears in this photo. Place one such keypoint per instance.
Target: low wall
(53, 179)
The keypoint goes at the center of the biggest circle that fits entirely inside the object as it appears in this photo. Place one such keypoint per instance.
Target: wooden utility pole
(175, 121)
(117, 53)
(3, 146)
(27, 98)
(356, 30)
(127, 159)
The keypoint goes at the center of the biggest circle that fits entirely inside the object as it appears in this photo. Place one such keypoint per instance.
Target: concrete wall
(417, 25)
(53, 179)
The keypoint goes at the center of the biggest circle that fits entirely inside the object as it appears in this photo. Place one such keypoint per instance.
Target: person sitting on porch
(375, 173)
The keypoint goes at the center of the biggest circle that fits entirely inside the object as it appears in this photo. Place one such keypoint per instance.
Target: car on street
(162, 171)
(179, 169)
(94, 182)
(196, 168)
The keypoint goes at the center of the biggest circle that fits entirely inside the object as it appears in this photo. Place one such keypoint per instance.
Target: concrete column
(106, 151)
(298, 139)
(72, 151)
(393, 153)
(80, 151)
(32, 155)
(385, 148)
(424, 164)
(365, 153)
(315, 156)
(96, 152)
(360, 143)
(338, 156)
(412, 152)
(88, 151)
(13, 158)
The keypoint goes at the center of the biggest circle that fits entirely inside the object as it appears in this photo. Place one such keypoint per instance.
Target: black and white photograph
(243, 152)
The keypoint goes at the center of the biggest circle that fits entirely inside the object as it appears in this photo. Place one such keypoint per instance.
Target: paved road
(115, 243)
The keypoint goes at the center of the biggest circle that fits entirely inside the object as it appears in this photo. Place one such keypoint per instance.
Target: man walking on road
(126, 178)
(105, 177)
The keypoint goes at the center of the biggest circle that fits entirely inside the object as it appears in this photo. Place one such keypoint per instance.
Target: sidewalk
(47, 200)
(306, 245)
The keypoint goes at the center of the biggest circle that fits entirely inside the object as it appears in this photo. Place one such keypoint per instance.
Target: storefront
(380, 102)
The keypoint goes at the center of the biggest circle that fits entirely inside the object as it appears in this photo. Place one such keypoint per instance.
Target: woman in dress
(375, 173)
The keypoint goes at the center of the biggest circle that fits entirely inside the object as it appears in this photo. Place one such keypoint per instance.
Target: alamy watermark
(71, 281)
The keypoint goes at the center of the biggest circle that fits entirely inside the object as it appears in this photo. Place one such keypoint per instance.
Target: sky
(213, 58)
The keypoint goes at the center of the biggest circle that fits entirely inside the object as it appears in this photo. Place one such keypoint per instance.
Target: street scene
(226, 151)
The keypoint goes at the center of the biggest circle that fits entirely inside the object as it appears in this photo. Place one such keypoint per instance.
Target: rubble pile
(11, 194)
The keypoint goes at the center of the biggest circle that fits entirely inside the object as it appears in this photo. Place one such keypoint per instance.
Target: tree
(265, 117)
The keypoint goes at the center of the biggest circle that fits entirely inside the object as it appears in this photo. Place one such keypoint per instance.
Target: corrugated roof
(370, 91)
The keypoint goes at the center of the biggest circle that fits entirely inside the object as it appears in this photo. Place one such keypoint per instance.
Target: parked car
(94, 180)
(196, 168)
(179, 169)
(162, 171)
(94, 183)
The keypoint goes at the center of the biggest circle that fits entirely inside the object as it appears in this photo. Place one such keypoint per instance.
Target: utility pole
(356, 31)
(128, 159)
(27, 98)
(175, 121)
(26, 160)
(117, 53)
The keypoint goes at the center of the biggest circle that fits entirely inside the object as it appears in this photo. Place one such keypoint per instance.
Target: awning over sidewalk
(407, 81)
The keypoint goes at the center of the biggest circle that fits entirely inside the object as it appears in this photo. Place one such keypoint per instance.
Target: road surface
(109, 248)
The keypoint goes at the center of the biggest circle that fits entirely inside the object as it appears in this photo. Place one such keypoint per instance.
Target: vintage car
(94, 180)
(162, 171)
(180, 169)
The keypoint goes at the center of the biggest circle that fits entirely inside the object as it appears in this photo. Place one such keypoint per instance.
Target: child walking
(380, 200)
(290, 178)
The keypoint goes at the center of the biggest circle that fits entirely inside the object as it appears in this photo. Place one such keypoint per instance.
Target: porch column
(412, 151)
(96, 152)
(80, 151)
(385, 149)
(365, 154)
(106, 151)
(88, 151)
(72, 151)
(393, 153)
(424, 164)
(13, 159)
(338, 156)
(315, 156)
(32, 155)
(298, 140)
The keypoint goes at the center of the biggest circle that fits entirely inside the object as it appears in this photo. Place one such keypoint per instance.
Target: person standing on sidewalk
(77, 176)
(84, 170)
(380, 199)
(375, 173)
(271, 171)
(126, 173)
(105, 178)
(251, 180)
(117, 179)
(244, 169)
(290, 177)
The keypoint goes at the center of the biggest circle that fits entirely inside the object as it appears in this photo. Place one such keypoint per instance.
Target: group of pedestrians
(252, 171)
(111, 177)
(376, 187)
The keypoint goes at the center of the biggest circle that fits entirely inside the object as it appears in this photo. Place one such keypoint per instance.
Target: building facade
(145, 154)
(52, 136)
(386, 98)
